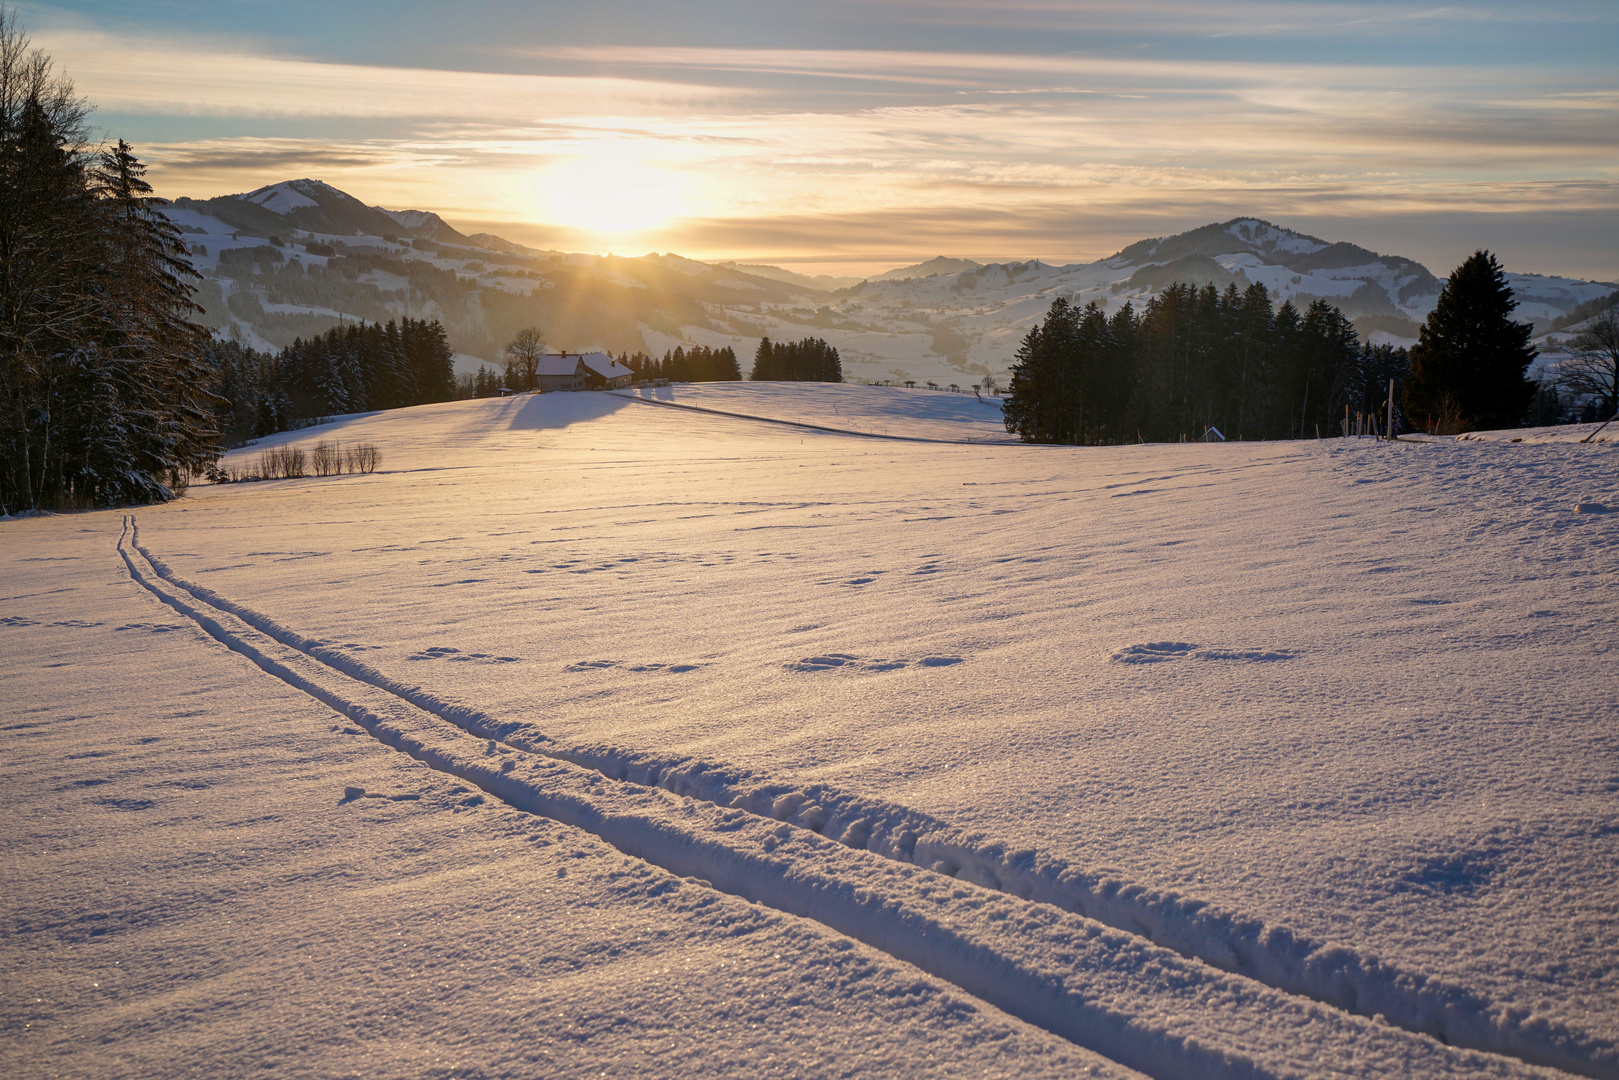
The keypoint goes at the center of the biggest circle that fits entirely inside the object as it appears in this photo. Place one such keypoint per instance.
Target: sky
(851, 137)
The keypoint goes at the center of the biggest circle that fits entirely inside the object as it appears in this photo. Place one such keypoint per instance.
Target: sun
(609, 193)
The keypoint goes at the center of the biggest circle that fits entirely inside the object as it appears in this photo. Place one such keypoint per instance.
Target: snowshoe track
(1111, 966)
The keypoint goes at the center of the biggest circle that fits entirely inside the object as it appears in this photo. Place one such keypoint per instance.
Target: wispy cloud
(165, 77)
(840, 153)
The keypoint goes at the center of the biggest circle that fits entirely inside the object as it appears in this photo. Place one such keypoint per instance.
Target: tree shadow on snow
(560, 409)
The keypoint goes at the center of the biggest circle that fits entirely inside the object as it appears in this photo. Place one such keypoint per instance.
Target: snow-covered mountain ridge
(945, 320)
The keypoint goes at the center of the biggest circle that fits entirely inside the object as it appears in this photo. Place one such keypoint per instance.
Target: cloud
(1230, 18)
(198, 78)
(881, 154)
(260, 156)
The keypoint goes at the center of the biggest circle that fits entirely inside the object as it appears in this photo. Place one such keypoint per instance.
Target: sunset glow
(609, 194)
(851, 138)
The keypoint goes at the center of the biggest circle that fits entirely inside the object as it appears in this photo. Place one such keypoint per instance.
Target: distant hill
(491, 242)
(294, 258)
(425, 225)
(932, 267)
(818, 282)
(315, 207)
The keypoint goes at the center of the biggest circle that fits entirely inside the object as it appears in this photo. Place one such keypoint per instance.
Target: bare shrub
(363, 458)
(1450, 420)
(284, 462)
(1592, 367)
(326, 459)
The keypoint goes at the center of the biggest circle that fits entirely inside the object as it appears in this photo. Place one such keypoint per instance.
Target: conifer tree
(764, 362)
(1329, 355)
(103, 373)
(1471, 357)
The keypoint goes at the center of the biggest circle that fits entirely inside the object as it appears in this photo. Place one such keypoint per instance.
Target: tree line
(1190, 360)
(355, 368)
(103, 374)
(696, 364)
(699, 363)
(1235, 361)
(809, 360)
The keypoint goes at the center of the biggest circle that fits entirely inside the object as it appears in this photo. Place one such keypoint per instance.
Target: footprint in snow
(1157, 652)
(1153, 652)
(866, 665)
(599, 665)
(127, 804)
(444, 652)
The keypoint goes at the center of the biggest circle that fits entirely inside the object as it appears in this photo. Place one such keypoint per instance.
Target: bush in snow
(363, 458)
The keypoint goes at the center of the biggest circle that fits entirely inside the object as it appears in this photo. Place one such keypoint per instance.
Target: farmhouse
(580, 371)
(602, 372)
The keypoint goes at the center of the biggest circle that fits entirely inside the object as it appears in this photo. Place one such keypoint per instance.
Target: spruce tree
(1330, 355)
(1471, 357)
(103, 372)
(764, 362)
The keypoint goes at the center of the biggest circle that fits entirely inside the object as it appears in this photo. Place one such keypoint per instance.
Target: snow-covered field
(591, 737)
(1562, 433)
(893, 411)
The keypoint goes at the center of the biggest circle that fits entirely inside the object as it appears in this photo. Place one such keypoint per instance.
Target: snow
(411, 219)
(895, 411)
(467, 364)
(1561, 433)
(1271, 238)
(282, 197)
(593, 736)
(604, 365)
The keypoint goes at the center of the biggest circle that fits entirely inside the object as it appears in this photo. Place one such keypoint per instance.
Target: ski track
(1161, 983)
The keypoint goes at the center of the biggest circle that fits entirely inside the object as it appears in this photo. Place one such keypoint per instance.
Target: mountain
(818, 282)
(931, 268)
(311, 206)
(491, 242)
(295, 258)
(425, 225)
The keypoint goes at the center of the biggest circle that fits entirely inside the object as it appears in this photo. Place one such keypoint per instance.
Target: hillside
(589, 736)
(294, 258)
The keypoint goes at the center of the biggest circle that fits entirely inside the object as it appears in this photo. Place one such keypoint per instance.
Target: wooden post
(1391, 409)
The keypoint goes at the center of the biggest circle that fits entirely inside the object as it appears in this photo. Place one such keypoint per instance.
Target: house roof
(604, 365)
(558, 364)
